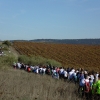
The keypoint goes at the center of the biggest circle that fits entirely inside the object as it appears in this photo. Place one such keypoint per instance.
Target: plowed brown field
(85, 56)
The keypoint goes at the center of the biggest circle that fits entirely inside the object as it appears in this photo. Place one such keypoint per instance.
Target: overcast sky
(49, 19)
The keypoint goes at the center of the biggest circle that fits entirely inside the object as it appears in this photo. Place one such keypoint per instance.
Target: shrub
(37, 60)
(5, 48)
(7, 61)
(23, 58)
(8, 43)
(53, 62)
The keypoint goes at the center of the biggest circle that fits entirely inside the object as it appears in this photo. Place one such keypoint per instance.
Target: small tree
(8, 43)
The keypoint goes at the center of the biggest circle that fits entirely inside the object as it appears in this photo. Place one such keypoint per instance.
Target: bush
(5, 48)
(23, 58)
(37, 60)
(8, 43)
(7, 60)
(53, 62)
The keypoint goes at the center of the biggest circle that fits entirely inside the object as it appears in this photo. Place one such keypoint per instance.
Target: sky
(49, 19)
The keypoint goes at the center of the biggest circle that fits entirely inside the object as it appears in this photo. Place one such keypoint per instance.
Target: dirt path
(12, 49)
(16, 54)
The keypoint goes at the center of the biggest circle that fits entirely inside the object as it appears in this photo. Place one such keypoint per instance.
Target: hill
(64, 41)
(69, 41)
(18, 84)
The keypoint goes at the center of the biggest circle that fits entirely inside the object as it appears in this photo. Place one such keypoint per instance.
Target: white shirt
(61, 70)
(86, 80)
(37, 70)
(44, 69)
(65, 73)
(92, 78)
(19, 65)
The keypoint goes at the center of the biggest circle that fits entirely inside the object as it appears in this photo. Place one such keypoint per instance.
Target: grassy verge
(37, 60)
(20, 85)
(6, 61)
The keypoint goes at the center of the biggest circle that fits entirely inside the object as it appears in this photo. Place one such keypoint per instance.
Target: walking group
(88, 82)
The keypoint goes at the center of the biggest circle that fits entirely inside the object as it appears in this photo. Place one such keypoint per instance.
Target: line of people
(88, 82)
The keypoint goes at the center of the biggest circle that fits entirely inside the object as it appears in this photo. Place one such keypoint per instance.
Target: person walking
(97, 88)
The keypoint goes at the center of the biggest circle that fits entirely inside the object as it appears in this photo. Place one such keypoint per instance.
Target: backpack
(97, 87)
(87, 87)
(28, 69)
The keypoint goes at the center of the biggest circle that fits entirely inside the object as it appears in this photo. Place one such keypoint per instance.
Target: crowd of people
(88, 82)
